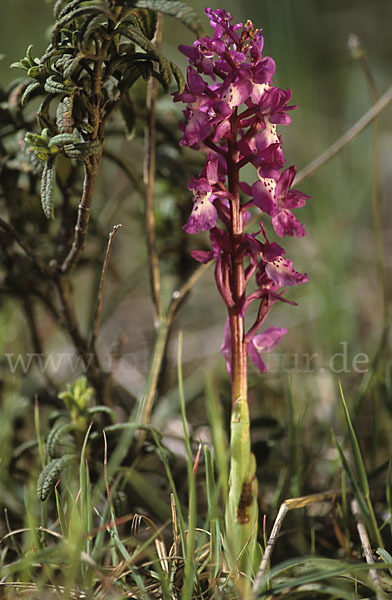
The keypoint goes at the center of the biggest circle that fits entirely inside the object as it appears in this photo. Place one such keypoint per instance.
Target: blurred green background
(341, 305)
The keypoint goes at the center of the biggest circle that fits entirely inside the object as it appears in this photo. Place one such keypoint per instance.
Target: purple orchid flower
(263, 342)
(277, 200)
(232, 114)
(204, 214)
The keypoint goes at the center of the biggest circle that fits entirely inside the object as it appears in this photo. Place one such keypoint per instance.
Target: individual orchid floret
(277, 200)
(274, 105)
(204, 214)
(264, 342)
(283, 221)
(261, 343)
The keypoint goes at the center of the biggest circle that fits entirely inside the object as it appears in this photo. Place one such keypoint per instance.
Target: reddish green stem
(241, 510)
(239, 354)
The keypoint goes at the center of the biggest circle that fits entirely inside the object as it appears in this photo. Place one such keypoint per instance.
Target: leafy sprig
(98, 50)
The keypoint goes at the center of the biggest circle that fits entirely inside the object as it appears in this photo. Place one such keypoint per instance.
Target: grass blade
(190, 569)
(356, 451)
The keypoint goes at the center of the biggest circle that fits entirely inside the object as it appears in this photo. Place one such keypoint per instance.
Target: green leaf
(89, 8)
(85, 490)
(54, 436)
(47, 187)
(83, 149)
(62, 139)
(359, 464)
(31, 88)
(64, 120)
(99, 410)
(61, 514)
(386, 557)
(53, 86)
(178, 76)
(147, 21)
(357, 490)
(128, 114)
(148, 46)
(27, 62)
(92, 26)
(172, 8)
(29, 56)
(58, 7)
(50, 475)
(20, 64)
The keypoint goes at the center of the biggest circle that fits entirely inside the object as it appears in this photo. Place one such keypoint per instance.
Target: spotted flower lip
(233, 112)
(204, 215)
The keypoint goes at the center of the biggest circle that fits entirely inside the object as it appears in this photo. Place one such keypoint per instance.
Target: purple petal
(264, 342)
(197, 129)
(272, 251)
(269, 339)
(203, 216)
(186, 97)
(295, 199)
(264, 71)
(285, 223)
(285, 181)
(222, 109)
(222, 130)
(221, 241)
(256, 358)
(209, 47)
(237, 93)
(252, 245)
(189, 51)
(266, 137)
(258, 91)
(274, 104)
(196, 83)
(282, 273)
(212, 170)
(245, 188)
(202, 256)
(199, 186)
(264, 196)
(280, 119)
(218, 15)
(226, 346)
